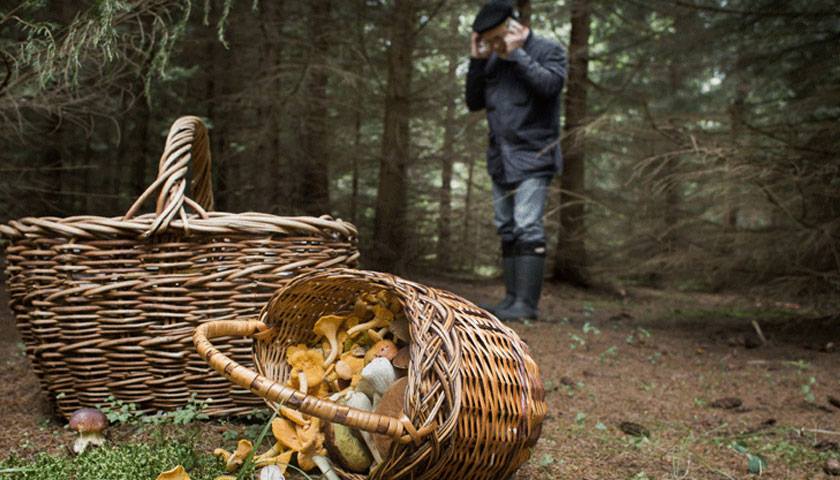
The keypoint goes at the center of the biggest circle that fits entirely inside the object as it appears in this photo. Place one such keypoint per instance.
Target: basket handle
(401, 429)
(187, 142)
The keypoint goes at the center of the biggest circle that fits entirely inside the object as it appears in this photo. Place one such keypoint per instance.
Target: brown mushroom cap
(383, 348)
(86, 420)
(402, 359)
(391, 405)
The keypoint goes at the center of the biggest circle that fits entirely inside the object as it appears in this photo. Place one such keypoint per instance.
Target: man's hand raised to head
(478, 49)
(515, 37)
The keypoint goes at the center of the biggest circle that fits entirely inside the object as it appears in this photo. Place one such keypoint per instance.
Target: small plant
(610, 353)
(589, 328)
(577, 341)
(808, 391)
(120, 412)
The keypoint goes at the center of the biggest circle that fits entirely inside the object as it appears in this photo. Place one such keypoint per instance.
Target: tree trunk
(269, 173)
(737, 112)
(468, 199)
(571, 261)
(389, 224)
(444, 240)
(314, 191)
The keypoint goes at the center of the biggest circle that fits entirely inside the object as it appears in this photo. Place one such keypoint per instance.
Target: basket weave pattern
(474, 404)
(107, 306)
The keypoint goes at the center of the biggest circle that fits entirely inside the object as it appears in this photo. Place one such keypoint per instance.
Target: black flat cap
(492, 14)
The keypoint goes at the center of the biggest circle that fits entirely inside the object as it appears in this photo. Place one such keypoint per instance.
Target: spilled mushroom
(234, 460)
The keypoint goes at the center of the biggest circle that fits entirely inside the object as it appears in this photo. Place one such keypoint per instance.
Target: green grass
(135, 461)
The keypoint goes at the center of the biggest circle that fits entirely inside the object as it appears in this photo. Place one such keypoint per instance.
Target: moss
(120, 462)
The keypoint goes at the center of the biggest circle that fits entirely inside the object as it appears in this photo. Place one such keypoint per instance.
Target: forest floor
(659, 360)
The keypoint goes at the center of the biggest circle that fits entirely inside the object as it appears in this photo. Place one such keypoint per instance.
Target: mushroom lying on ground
(376, 377)
(177, 473)
(90, 423)
(272, 472)
(327, 327)
(234, 460)
(312, 452)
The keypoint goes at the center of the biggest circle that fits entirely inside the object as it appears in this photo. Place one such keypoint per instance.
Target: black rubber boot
(509, 276)
(529, 271)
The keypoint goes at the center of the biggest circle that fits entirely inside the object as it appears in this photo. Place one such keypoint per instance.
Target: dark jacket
(522, 98)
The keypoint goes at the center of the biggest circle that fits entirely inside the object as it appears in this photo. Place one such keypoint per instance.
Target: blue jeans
(518, 211)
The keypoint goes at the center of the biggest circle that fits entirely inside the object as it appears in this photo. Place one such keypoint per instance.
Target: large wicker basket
(107, 306)
(475, 402)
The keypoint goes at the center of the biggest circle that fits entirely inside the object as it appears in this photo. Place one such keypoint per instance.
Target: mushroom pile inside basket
(359, 360)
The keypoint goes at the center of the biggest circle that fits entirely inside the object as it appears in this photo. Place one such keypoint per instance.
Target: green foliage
(121, 462)
(119, 412)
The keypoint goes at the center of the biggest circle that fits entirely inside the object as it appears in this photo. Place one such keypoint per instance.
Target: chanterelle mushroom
(382, 317)
(234, 460)
(307, 367)
(313, 452)
(327, 327)
(177, 473)
(90, 423)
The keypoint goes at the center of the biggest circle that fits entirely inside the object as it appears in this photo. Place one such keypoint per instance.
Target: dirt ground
(659, 360)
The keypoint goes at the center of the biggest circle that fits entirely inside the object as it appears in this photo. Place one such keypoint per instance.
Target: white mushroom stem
(325, 466)
(376, 377)
(86, 439)
(304, 384)
(333, 350)
(361, 401)
(272, 472)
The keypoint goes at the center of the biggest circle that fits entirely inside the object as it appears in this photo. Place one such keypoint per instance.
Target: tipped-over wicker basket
(107, 306)
(474, 404)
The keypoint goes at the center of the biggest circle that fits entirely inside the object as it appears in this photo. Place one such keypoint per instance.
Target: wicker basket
(475, 402)
(107, 306)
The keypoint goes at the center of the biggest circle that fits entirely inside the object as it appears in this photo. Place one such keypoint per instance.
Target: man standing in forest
(517, 77)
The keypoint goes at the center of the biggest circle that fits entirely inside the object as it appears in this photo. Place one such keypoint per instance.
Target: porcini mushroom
(327, 327)
(347, 448)
(376, 377)
(360, 401)
(177, 473)
(399, 327)
(234, 460)
(90, 423)
(391, 405)
(383, 348)
(382, 317)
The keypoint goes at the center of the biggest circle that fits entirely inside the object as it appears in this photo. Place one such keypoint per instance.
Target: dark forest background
(701, 136)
